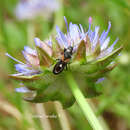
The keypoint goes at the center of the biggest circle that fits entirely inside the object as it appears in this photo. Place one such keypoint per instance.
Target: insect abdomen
(59, 67)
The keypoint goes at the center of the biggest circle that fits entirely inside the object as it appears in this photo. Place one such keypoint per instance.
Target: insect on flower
(88, 53)
(62, 63)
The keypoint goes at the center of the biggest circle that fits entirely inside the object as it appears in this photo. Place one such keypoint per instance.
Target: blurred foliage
(14, 35)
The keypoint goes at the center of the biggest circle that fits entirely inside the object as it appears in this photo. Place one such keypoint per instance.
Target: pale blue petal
(105, 44)
(106, 33)
(29, 50)
(22, 90)
(110, 49)
(100, 80)
(37, 42)
(66, 24)
(74, 32)
(14, 58)
(102, 35)
(95, 39)
(62, 37)
(82, 30)
(92, 34)
(49, 43)
(21, 68)
(89, 29)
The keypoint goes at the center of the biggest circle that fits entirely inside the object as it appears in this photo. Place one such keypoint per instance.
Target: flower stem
(89, 114)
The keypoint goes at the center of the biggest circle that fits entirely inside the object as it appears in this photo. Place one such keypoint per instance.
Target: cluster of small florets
(92, 56)
(74, 37)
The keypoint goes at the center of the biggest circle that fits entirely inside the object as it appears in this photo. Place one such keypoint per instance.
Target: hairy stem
(88, 112)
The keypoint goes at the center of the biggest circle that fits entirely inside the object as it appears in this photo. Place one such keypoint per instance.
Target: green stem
(89, 114)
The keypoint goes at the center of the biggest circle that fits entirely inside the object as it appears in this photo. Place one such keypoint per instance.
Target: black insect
(62, 63)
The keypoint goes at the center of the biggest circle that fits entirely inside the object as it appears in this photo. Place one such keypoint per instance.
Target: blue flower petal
(37, 42)
(105, 44)
(95, 38)
(29, 50)
(22, 90)
(14, 58)
(21, 68)
(106, 33)
(100, 80)
(82, 30)
(62, 37)
(110, 49)
(66, 24)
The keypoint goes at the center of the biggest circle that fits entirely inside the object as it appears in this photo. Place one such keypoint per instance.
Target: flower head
(29, 9)
(90, 61)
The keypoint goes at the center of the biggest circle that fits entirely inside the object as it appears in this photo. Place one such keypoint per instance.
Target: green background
(113, 106)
